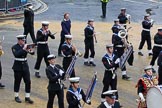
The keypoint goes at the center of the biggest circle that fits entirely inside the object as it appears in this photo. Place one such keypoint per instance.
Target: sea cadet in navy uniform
(75, 94)
(42, 49)
(55, 74)
(21, 68)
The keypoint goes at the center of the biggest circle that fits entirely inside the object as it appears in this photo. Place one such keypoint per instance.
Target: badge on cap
(74, 79)
(51, 56)
(68, 36)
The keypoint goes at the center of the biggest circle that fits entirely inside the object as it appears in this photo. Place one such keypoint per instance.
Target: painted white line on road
(135, 1)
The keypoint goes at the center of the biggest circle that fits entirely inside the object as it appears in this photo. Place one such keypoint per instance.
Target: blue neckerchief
(147, 77)
(66, 44)
(72, 91)
(108, 57)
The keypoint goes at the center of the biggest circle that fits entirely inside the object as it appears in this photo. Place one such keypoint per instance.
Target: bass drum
(154, 97)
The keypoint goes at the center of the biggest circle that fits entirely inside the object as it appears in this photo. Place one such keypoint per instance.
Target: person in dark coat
(89, 44)
(55, 74)
(116, 26)
(159, 62)
(111, 63)
(124, 18)
(1, 85)
(42, 49)
(157, 47)
(29, 22)
(68, 51)
(21, 68)
(110, 100)
(119, 48)
(104, 4)
(147, 23)
(75, 94)
(66, 30)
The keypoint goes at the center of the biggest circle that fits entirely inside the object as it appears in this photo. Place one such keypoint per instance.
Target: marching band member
(66, 27)
(159, 62)
(147, 23)
(75, 94)
(89, 43)
(116, 26)
(111, 62)
(124, 18)
(42, 49)
(68, 50)
(1, 85)
(29, 22)
(157, 46)
(55, 74)
(119, 46)
(143, 85)
(110, 100)
(21, 68)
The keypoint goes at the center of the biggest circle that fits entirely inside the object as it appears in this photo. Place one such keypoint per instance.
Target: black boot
(125, 77)
(92, 63)
(37, 75)
(140, 53)
(86, 64)
(2, 86)
(17, 99)
(28, 100)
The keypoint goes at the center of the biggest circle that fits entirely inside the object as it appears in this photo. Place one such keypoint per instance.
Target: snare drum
(154, 97)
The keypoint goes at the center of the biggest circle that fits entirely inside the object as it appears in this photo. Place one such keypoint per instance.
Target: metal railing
(10, 5)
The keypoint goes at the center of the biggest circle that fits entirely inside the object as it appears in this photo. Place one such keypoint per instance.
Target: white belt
(42, 42)
(146, 29)
(111, 69)
(119, 46)
(20, 59)
(157, 45)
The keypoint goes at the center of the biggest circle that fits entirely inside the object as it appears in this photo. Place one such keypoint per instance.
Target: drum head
(154, 97)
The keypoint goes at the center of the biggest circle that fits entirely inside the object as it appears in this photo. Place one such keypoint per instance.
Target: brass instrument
(1, 51)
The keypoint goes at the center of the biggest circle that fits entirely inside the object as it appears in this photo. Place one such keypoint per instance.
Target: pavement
(38, 7)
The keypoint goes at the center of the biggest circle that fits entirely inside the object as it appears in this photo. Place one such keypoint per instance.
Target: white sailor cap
(74, 79)
(68, 36)
(146, 15)
(45, 23)
(21, 37)
(90, 20)
(110, 93)
(148, 68)
(109, 45)
(160, 29)
(123, 9)
(51, 56)
(116, 20)
(28, 4)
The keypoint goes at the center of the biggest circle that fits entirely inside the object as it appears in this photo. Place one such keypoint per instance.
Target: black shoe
(2, 86)
(102, 16)
(92, 63)
(150, 54)
(86, 64)
(17, 99)
(28, 100)
(140, 53)
(37, 75)
(125, 77)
